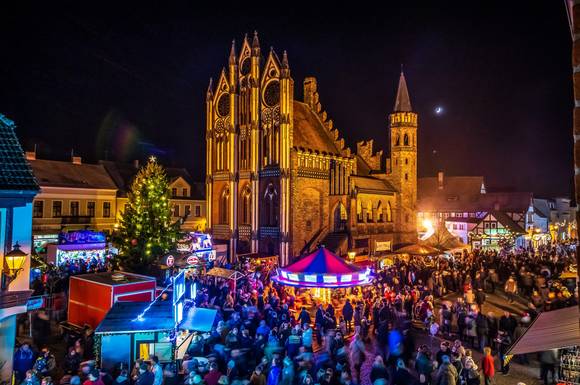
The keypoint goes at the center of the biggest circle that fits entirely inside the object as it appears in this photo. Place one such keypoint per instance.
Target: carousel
(322, 271)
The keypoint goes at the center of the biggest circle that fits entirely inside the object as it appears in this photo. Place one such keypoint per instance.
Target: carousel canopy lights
(322, 269)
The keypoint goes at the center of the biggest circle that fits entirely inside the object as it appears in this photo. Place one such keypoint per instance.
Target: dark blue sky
(127, 79)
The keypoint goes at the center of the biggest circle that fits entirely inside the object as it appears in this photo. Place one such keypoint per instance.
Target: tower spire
(403, 102)
(209, 93)
(285, 60)
(233, 52)
(256, 44)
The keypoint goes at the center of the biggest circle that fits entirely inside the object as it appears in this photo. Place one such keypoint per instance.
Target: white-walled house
(18, 188)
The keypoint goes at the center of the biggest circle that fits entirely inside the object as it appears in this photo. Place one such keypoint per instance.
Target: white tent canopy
(551, 330)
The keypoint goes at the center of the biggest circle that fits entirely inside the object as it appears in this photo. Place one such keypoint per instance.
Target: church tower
(403, 138)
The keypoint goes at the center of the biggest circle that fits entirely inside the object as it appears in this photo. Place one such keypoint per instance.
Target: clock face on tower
(272, 94)
(223, 105)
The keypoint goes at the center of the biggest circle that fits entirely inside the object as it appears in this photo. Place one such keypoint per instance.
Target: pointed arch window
(380, 212)
(406, 140)
(246, 209)
(389, 213)
(369, 211)
(224, 207)
(397, 140)
(359, 213)
(270, 200)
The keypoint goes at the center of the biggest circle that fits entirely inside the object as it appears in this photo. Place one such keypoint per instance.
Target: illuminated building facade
(279, 176)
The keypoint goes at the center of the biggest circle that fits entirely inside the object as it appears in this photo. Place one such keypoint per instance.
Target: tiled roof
(56, 173)
(15, 172)
(458, 193)
(309, 132)
(372, 184)
(124, 173)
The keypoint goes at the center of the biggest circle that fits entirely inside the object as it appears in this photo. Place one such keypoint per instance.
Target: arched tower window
(406, 140)
(246, 209)
(270, 201)
(380, 217)
(397, 140)
(369, 211)
(224, 207)
(389, 212)
(359, 214)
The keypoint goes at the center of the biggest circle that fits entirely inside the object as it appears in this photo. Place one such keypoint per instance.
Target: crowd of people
(267, 334)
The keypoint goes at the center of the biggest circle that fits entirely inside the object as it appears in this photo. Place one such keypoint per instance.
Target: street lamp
(14, 262)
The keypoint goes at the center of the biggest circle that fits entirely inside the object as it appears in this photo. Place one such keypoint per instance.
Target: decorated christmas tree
(146, 231)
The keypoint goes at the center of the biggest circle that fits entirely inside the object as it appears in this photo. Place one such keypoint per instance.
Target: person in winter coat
(30, 379)
(487, 366)
(470, 329)
(45, 363)
(511, 288)
(423, 363)
(469, 373)
(287, 372)
(348, 313)
(258, 377)
(482, 329)
(402, 376)
(275, 373)
(447, 374)
(24, 359)
(379, 369)
(122, 378)
(146, 377)
(548, 361)
(72, 361)
(357, 355)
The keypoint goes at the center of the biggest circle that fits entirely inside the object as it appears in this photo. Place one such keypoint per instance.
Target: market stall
(92, 295)
(557, 329)
(76, 246)
(124, 335)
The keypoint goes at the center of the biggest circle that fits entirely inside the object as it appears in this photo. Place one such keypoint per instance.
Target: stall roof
(106, 278)
(122, 318)
(224, 273)
(418, 250)
(198, 319)
(551, 330)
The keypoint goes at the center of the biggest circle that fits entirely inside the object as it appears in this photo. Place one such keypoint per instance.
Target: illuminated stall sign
(194, 242)
(178, 296)
(81, 237)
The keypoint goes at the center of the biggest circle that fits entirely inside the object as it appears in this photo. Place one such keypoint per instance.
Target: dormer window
(184, 192)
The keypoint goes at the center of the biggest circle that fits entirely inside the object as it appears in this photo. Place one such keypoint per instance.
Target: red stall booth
(92, 295)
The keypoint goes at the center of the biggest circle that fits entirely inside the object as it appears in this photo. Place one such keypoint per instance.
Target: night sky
(127, 80)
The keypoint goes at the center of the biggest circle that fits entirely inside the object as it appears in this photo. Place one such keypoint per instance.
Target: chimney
(440, 180)
(30, 155)
(136, 163)
(76, 160)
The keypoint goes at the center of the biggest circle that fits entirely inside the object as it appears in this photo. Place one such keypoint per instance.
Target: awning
(551, 330)
(198, 319)
(224, 273)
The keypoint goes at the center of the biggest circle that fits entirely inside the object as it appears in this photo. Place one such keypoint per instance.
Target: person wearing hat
(94, 378)
(146, 377)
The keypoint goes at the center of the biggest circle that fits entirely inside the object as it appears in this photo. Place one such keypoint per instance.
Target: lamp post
(13, 262)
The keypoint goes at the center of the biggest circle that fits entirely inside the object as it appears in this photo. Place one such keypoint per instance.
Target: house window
(187, 210)
(106, 209)
(198, 211)
(486, 225)
(56, 209)
(493, 225)
(184, 192)
(176, 210)
(74, 209)
(91, 209)
(38, 210)
(174, 192)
